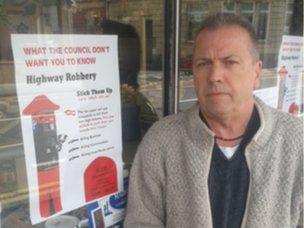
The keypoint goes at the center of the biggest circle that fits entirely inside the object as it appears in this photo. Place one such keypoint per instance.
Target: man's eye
(230, 62)
(203, 64)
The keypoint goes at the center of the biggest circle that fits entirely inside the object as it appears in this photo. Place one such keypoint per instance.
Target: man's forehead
(224, 41)
(217, 32)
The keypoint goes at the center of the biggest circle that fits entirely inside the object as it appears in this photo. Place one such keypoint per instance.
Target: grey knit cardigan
(168, 181)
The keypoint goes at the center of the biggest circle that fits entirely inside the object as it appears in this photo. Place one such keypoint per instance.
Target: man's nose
(216, 73)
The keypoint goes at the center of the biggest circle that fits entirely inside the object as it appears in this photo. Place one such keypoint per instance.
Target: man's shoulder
(290, 128)
(278, 126)
(171, 126)
(287, 120)
(166, 126)
(279, 118)
(161, 138)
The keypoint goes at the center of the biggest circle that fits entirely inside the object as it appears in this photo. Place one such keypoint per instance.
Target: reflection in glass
(139, 26)
(268, 21)
(247, 10)
(262, 20)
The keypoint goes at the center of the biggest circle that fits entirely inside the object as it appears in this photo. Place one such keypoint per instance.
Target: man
(230, 161)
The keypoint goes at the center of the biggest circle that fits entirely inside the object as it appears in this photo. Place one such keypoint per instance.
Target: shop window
(196, 12)
(263, 14)
(8, 177)
(229, 7)
(141, 91)
(288, 16)
(247, 10)
(271, 20)
(149, 43)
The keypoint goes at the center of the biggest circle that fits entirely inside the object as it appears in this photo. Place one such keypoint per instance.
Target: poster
(69, 101)
(269, 95)
(290, 74)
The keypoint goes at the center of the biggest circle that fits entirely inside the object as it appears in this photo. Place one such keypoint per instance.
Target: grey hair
(218, 20)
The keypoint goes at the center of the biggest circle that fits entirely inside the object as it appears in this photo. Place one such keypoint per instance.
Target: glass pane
(263, 6)
(139, 26)
(196, 11)
(246, 6)
(262, 26)
(249, 16)
(290, 6)
(270, 26)
(262, 20)
(229, 6)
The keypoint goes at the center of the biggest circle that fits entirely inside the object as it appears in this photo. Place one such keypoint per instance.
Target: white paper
(290, 74)
(69, 100)
(269, 95)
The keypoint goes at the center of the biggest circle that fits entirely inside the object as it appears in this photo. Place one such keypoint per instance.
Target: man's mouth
(216, 94)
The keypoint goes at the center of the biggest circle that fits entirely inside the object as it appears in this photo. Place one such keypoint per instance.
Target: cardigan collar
(198, 130)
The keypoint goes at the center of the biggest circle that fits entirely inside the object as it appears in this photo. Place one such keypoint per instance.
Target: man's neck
(228, 126)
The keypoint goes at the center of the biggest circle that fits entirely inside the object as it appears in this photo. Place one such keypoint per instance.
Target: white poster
(290, 74)
(69, 99)
(269, 95)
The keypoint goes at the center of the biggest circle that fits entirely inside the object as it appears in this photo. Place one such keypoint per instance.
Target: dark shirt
(228, 181)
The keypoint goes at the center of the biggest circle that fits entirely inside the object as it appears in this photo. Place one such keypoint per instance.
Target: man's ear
(257, 74)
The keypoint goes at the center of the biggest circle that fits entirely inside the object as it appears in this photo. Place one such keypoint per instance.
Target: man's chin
(217, 100)
(215, 96)
(217, 107)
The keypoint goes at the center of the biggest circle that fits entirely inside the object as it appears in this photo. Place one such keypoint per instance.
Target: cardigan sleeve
(300, 222)
(146, 194)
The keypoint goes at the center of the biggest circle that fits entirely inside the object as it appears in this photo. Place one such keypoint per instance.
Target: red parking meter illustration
(100, 178)
(47, 145)
(293, 109)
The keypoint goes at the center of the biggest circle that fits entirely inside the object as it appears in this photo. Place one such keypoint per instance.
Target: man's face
(225, 72)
